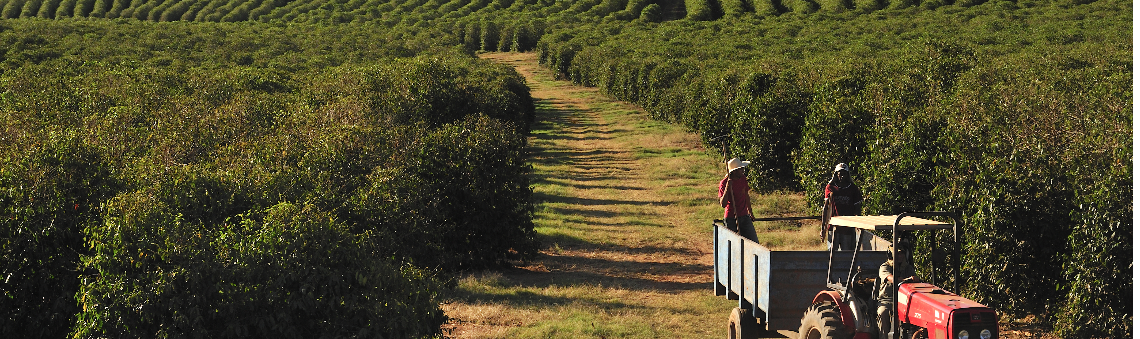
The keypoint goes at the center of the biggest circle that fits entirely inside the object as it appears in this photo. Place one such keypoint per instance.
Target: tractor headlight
(986, 334)
(963, 335)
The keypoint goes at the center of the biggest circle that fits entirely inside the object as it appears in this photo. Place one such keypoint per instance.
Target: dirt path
(594, 169)
(622, 207)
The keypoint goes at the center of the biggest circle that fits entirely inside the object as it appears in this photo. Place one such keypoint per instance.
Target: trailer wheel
(822, 321)
(742, 325)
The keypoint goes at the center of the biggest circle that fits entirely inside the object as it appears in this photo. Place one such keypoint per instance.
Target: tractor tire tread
(822, 321)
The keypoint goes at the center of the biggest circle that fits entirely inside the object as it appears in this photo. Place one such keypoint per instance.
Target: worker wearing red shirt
(843, 197)
(737, 206)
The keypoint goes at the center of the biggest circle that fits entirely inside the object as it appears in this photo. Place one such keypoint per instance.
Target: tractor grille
(974, 322)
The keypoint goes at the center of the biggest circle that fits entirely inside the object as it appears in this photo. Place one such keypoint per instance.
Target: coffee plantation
(317, 168)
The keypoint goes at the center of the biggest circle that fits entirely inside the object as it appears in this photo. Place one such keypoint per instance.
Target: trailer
(841, 294)
(775, 287)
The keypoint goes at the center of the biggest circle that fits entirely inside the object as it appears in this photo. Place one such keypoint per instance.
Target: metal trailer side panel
(727, 264)
(777, 286)
(755, 282)
(797, 276)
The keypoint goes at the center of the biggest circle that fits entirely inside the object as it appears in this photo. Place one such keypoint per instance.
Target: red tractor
(917, 309)
(843, 290)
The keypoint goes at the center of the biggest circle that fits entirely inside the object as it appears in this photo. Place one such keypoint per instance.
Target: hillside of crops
(1018, 114)
(174, 163)
(216, 180)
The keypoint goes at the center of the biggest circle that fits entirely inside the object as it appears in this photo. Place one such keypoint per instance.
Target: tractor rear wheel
(742, 325)
(822, 321)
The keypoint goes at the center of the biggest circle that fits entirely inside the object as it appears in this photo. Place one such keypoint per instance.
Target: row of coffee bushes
(1018, 115)
(150, 189)
(290, 48)
(424, 13)
(501, 25)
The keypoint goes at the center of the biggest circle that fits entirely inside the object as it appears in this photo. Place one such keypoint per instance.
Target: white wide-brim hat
(736, 164)
(842, 167)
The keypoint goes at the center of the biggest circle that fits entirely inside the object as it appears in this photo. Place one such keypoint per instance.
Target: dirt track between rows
(622, 208)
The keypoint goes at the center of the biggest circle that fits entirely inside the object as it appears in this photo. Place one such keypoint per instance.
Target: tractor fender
(844, 310)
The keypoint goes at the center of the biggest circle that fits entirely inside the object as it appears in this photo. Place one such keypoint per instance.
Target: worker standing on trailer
(843, 198)
(737, 206)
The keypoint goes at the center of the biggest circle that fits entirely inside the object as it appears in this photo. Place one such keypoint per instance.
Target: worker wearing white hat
(842, 197)
(737, 205)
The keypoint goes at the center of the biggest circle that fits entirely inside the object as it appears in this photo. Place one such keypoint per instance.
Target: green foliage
(768, 7)
(47, 10)
(734, 8)
(836, 5)
(100, 9)
(31, 7)
(902, 4)
(869, 5)
(233, 187)
(606, 7)
(1099, 269)
(702, 10)
(12, 9)
(652, 13)
(835, 130)
(65, 9)
(489, 41)
(290, 270)
(53, 188)
(802, 6)
(633, 10)
(988, 107)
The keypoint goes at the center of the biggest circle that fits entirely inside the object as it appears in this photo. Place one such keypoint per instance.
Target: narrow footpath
(623, 207)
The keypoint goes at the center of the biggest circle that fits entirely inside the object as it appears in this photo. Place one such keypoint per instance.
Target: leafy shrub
(768, 7)
(489, 41)
(869, 5)
(290, 270)
(734, 8)
(835, 130)
(652, 13)
(802, 6)
(901, 4)
(100, 9)
(52, 190)
(632, 10)
(231, 190)
(47, 10)
(31, 7)
(12, 9)
(836, 5)
(65, 9)
(1096, 269)
(478, 216)
(605, 7)
(701, 10)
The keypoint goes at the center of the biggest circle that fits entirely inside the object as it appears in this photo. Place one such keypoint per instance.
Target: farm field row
(423, 12)
(152, 187)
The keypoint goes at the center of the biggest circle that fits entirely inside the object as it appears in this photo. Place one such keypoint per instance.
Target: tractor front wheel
(822, 321)
(742, 325)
